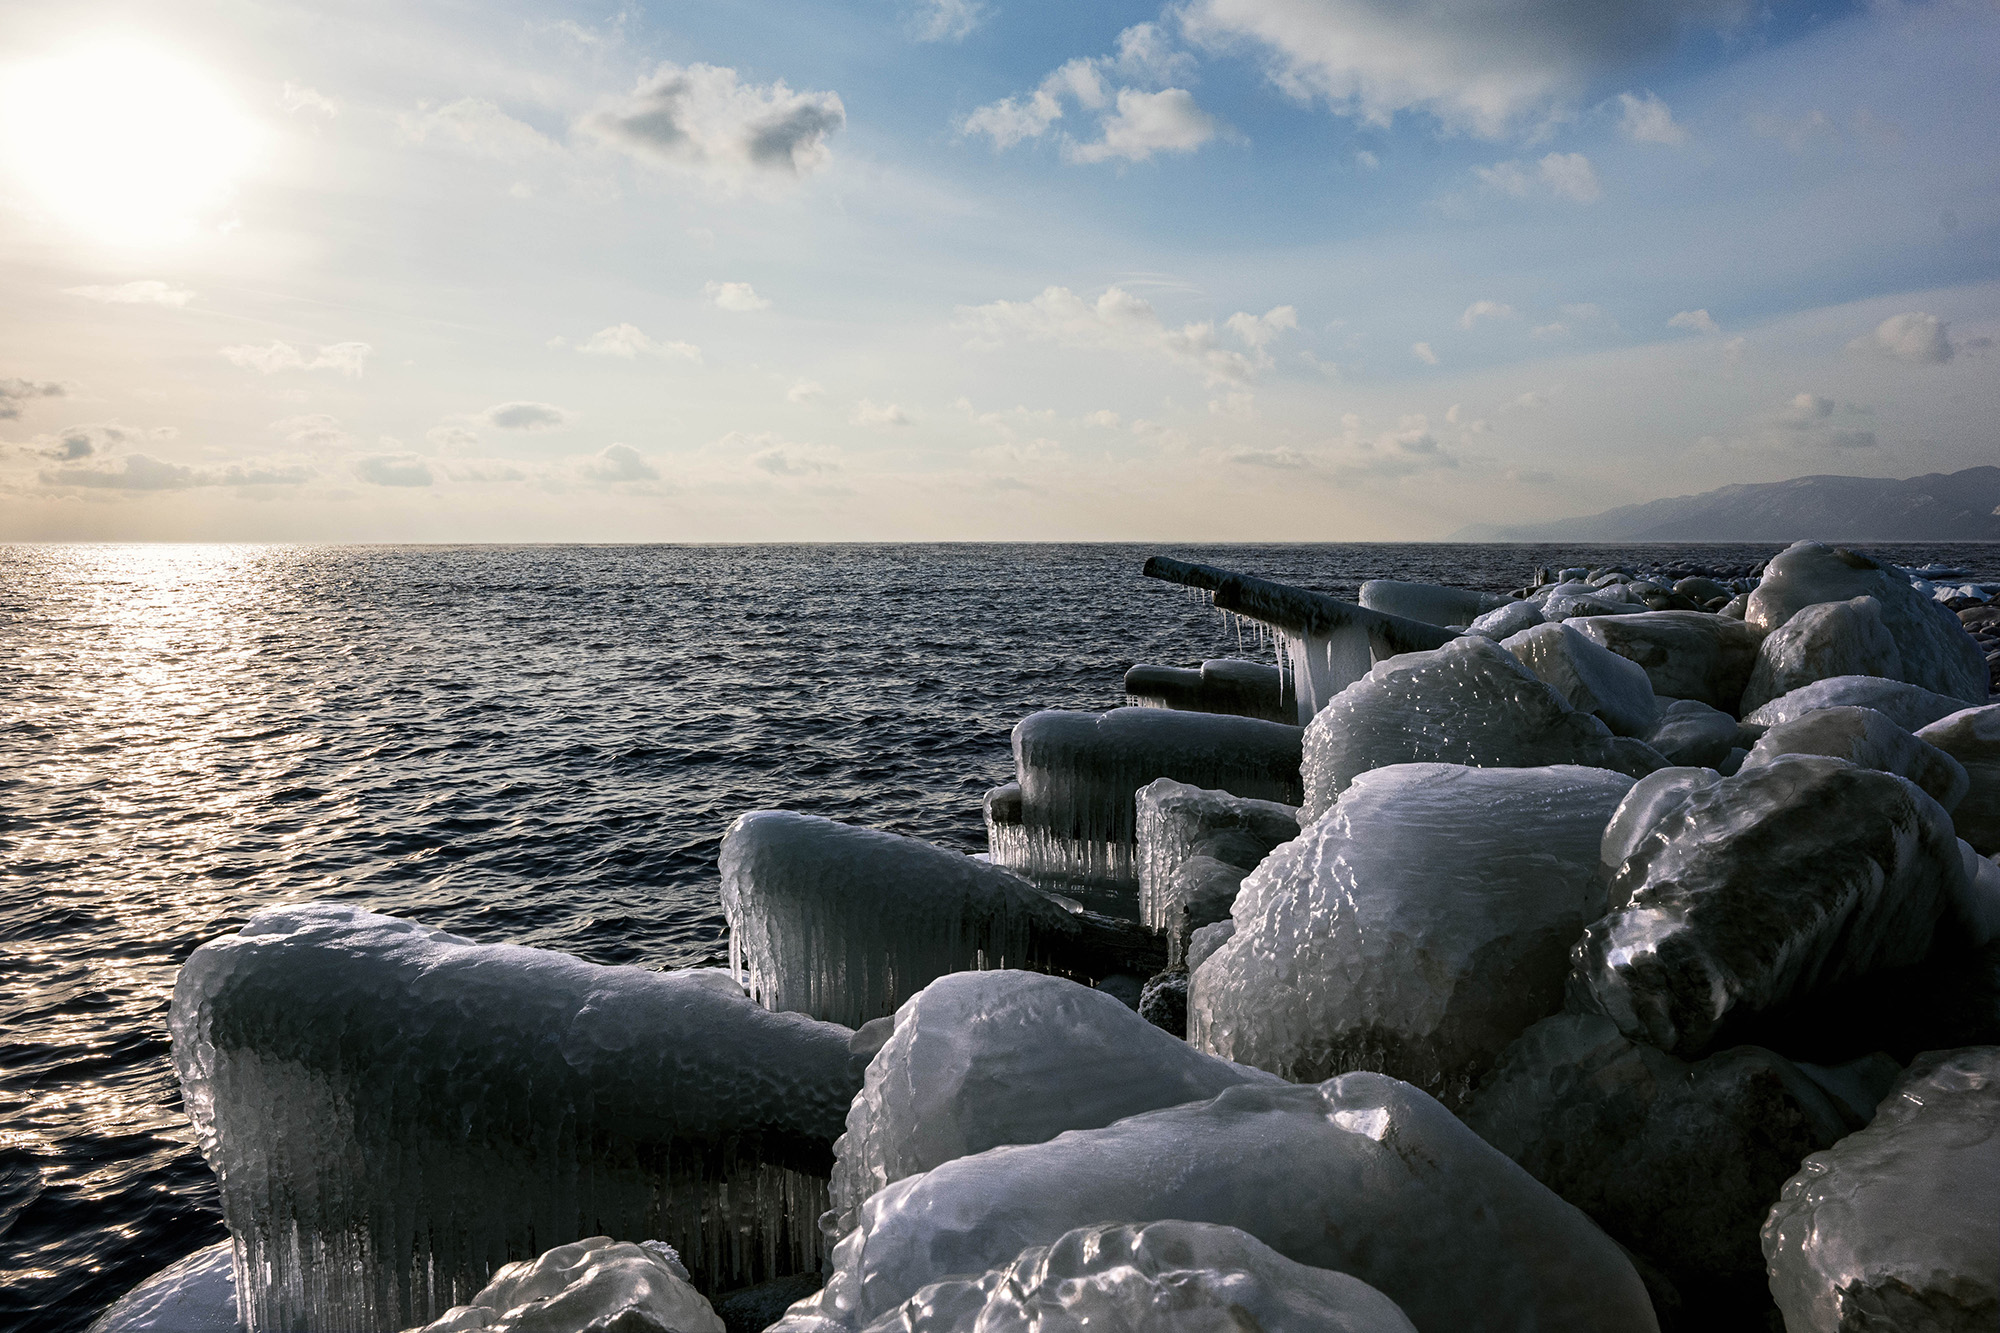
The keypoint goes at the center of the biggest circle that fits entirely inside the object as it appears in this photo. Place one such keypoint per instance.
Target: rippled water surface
(539, 745)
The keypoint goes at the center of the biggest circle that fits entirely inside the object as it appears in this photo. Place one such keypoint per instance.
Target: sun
(124, 144)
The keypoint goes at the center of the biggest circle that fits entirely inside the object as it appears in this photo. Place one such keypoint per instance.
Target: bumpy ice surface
(1685, 654)
(1909, 706)
(1820, 642)
(1865, 737)
(1432, 603)
(587, 1285)
(1178, 821)
(194, 1295)
(1590, 677)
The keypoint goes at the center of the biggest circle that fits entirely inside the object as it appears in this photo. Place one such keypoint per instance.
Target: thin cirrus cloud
(526, 416)
(474, 126)
(342, 358)
(628, 342)
(1120, 321)
(700, 117)
(146, 291)
(947, 20)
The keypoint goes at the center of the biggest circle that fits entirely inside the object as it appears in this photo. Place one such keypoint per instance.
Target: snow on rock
(1972, 737)
(1820, 642)
(1685, 654)
(988, 1058)
(1469, 702)
(1590, 677)
(1432, 603)
(1865, 737)
(596, 1285)
(1936, 652)
(1162, 1277)
(1361, 1174)
(845, 923)
(1179, 824)
(1895, 1227)
(1690, 732)
(394, 1112)
(192, 1295)
(1744, 894)
(1909, 706)
(1415, 930)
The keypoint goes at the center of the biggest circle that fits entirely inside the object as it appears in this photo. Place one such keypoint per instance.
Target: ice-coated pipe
(1300, 611)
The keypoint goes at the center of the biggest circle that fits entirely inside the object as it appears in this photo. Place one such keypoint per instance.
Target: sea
(540, 745)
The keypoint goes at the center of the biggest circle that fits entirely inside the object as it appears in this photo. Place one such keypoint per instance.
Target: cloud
(619, 462)
(75, 442)
(342, 358)
(1259, 331)
(625, 340)
(450, 439)
(868, 413)
(392, 470)
(737, 296)
(1480, 67)
(146, 291)
(480, 470)
(13, 393)
(142, 472)
(1117, 320)
(1136, 123)
(1567, 175)
(298, 97)
(805, 391)
(1811, 421)
(471, 125)
(1479, 310)
(1648, 120)
(316, 431)
(1913, 338)
(525, 416)
(1167, 121)
(1104, 419)
(1423, 353)
(794, 460)
(1694, 321)
(700, 118)
(947, 20)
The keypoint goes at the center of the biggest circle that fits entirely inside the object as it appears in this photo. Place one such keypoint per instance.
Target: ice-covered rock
(1219, 685)
(1508, 620)
(846, 923)
(1415, 930)
(1179, 824)
(1685, 654)
(1741, 895)
(1820, 642)
(1469, 702)
(1590, 677)
(1865, 737)
(1432, 603)
(394, 1112)
(1909, 706)
(1936, 653)
(1677, 1161)
(1159, 1277)
(1688, 731)
(596, 1285)
(983, 1059)
(1205, 941)
(192, 1295)
(1972, 737)
(1896, 1227)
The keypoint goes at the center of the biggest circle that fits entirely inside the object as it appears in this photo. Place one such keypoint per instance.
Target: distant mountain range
(1956, 506)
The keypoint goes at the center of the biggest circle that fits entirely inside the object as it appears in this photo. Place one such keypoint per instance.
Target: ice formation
(596, 1285)
(1745, 894)
(1508, 620)
(983, 1059)
(1590, 677)
(1469, 702)
(1432, 603)
(394, 1112)
(1685, 654)
(1160, 1277)
(1972, 737)
(1361, 1174)
(1896, 1227)
(1179, 824)
(1219, 685)
(192, 1295)
(1909, 706)
(1820, 642)
(1078, 773)
(1937, 654)
(1415, 930)
(846, 923)
(1865, 737)
(1690, 732)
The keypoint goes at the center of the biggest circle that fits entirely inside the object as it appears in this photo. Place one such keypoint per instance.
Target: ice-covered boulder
(1688, 731)
(1896, 1227)
(1590, 677)
(1820, 642)
(1431, 603)
(1685, 654)
(1469, 702)
(1936, 652)
(1972, 737)
(1361, 1174)
(1735, 896)
(1415, 930)
(1508, 620)
(1865, 737)
(1179, 824)
(192, 1295)
(1677, 1161)
(596, 1285)
(393, 1113)
(983, 1059)
(1164, 1276)
(1909, 706)
(1219, 685)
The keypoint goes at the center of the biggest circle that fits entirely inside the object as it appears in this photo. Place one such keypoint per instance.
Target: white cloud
(1812, 421)
(947, 20)
(1259, 331)
(74, 442)
(1104, 419)
(1136, 123)
(1694, 321)
(1479, 310)
(392, 470)
(13, 393)
(341, 358)
(146, 291)
(1364, 158)
(1010, 120)
(525, 416)
(1913, 337)
(449, 439)
(474, 126)
(1423, 353)
(619, 462)
(1117, 320)
(143, 472)
(805, 391)
(1568, 175)
(700, 118)
(298, 97)
(1648, 120)
(315, 432)
(740, 297)
(480, 470)
(1167, 121)
(779, 457)
(625, 340)
(870, 413)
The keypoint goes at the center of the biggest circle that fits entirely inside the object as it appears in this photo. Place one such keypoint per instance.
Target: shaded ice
(1590, 677)
(1432, 603)
(192, 1295)
(1909, 706)
(1690, 732)
(1865, 737)
(1179, 823)
(1685, 654)
(1820, 642)
(1972, 737)
(596, 1285)
(1218, 685)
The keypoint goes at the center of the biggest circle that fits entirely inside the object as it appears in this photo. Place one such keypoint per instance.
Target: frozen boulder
(1820, 642)
(1909, 706)
(1676, 1161)
(1895, 1227)
(1179, 823)
(1361, 1174)
(1157, 1276)
(1589, 677)
(1972, 737)
(1685, 654)
(1205, 941)
(597, 1285)
(1865, 737)
(1469, 702)
(1508, 620)
(192, 1295)
(1431, 603)
(393, 1113)
(1741, 895)
(983, 1059)
(1689, 732)
(1936, 653)
(1219, 685)
(1415, 930)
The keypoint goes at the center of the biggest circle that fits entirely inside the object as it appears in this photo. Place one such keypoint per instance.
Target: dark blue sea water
(540, 745)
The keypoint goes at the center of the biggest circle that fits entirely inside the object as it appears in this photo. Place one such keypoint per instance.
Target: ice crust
(983, 1059)
(1362, 1175)
(1744, 894)
(192, 1295)
(596, 1285)
(1896, 1227)
(1865, 737)
(1690, 732)
(1414, 930)
(1219, 685)
(394, 1112)
(1161, 1277)
(845, 923)
(1685, 654)
(1179, 823)
(1508, 620)
(1972, 737)
(1432, 603)
(1909, 706)
(1469, 702)
(1820, 642)
(1590, 677)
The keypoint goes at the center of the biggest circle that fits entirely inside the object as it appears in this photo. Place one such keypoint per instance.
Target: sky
(1304, 270)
